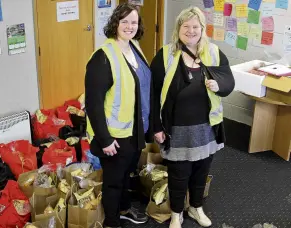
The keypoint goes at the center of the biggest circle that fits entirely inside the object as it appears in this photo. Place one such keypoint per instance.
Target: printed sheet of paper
(241, 10)
(67, 11)
(287, 38)
(218, 34)
(230, 38)
(267, 9)
(218, 19)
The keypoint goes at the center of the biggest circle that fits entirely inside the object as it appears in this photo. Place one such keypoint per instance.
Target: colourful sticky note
(219, 5)
(230, 1)
(242, 42)
(218, 34)
(282, 4)
(209, 17)
(267, 9)
(231, 24)
(255, 4)
(1, 17)
(255, 33)
(270, 1)
(268, 24)
(208, 3)
(267, 38)
(218, 19)
(230, 38)
(227, 9)
(243, 28)
(254, 17)
(241, 10)
(209, 30)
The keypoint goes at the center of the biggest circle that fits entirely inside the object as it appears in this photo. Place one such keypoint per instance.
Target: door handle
(88, 28)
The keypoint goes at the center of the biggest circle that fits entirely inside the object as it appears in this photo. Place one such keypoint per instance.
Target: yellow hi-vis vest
(209, 57)
(120, 98)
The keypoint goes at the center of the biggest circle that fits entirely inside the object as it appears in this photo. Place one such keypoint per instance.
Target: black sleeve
(223, 59)
(158, 75)
(98, 81)
(226, 85)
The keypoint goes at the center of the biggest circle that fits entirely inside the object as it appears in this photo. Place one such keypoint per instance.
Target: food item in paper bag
(48, 210)
(87, 183)
(43, 180)
(29, 181)
(76, 111)
(60, 205)
(30, 226)
(157, 175)
(22, 207)
(64, 186)
(160, 194)
(80, 174)
(41, 118)
(85, 198)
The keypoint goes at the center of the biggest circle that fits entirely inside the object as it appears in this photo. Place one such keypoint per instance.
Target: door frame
(37, 46)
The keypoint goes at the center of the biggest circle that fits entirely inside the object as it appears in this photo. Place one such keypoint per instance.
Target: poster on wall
(136, 2)
(67, 11)
(102, 19)
(104, 3)
(1, 17)
(16, 39)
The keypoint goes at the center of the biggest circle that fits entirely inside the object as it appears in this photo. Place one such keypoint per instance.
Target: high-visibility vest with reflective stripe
(209, 57)
(120, 98)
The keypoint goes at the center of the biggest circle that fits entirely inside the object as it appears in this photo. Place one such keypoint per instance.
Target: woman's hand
(212, 85)
(111, 150)
(160, 137)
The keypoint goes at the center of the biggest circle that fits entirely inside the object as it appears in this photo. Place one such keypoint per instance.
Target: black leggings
(185, 175)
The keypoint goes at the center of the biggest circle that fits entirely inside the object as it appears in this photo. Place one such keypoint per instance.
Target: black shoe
(134, 216)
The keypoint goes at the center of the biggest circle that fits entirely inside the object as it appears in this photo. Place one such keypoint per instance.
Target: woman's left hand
(212, 85)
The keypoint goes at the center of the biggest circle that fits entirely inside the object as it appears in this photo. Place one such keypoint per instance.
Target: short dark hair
(122, 11)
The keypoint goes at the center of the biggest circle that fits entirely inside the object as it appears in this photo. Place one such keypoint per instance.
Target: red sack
(59, 152)
(11, 216)
(20, 156)
(74, 103)
(64, 115)
(51, 126)
(85, 146)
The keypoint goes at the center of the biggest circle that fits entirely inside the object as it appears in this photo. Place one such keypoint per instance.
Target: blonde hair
(184, 16)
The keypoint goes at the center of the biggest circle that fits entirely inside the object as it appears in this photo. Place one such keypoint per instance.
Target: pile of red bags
(20, 156)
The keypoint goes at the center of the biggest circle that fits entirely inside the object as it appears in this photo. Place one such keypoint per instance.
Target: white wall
(237, 106)
(18, 74)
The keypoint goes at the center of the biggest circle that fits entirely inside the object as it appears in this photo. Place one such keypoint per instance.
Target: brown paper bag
(39, 204)
(152, 147)
(162, 212)
(27, 190)
(146, 182)
(79, 217)
(149, 157)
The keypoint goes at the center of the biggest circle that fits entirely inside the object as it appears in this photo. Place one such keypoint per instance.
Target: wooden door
(149, 16)
(64, 50)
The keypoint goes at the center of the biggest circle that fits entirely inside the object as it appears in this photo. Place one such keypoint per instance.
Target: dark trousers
(185, 175)
(116, 180)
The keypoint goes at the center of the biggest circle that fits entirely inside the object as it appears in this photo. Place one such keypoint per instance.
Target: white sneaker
(199, 215)
(176, 220)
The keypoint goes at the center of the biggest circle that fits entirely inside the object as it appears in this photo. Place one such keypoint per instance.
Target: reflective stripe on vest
(209, 57)
(120, 98)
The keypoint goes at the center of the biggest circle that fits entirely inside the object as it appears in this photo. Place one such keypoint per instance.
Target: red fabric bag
(10, 217)
(50, 127)
(85, 146)
(20, 156)
(64, 115)
(74, 103)
(58, 152)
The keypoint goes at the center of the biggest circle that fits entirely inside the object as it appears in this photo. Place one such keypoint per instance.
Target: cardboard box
(278, 88)
(248, 83)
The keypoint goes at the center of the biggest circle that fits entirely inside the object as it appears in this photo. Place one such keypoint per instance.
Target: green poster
(16, 39)
(242, 42)
(254, 17)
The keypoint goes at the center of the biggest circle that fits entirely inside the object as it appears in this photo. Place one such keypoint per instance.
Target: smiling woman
(118, 92)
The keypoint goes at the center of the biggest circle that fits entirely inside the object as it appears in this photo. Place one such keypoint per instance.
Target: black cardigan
(98, 81)
(158, 74)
